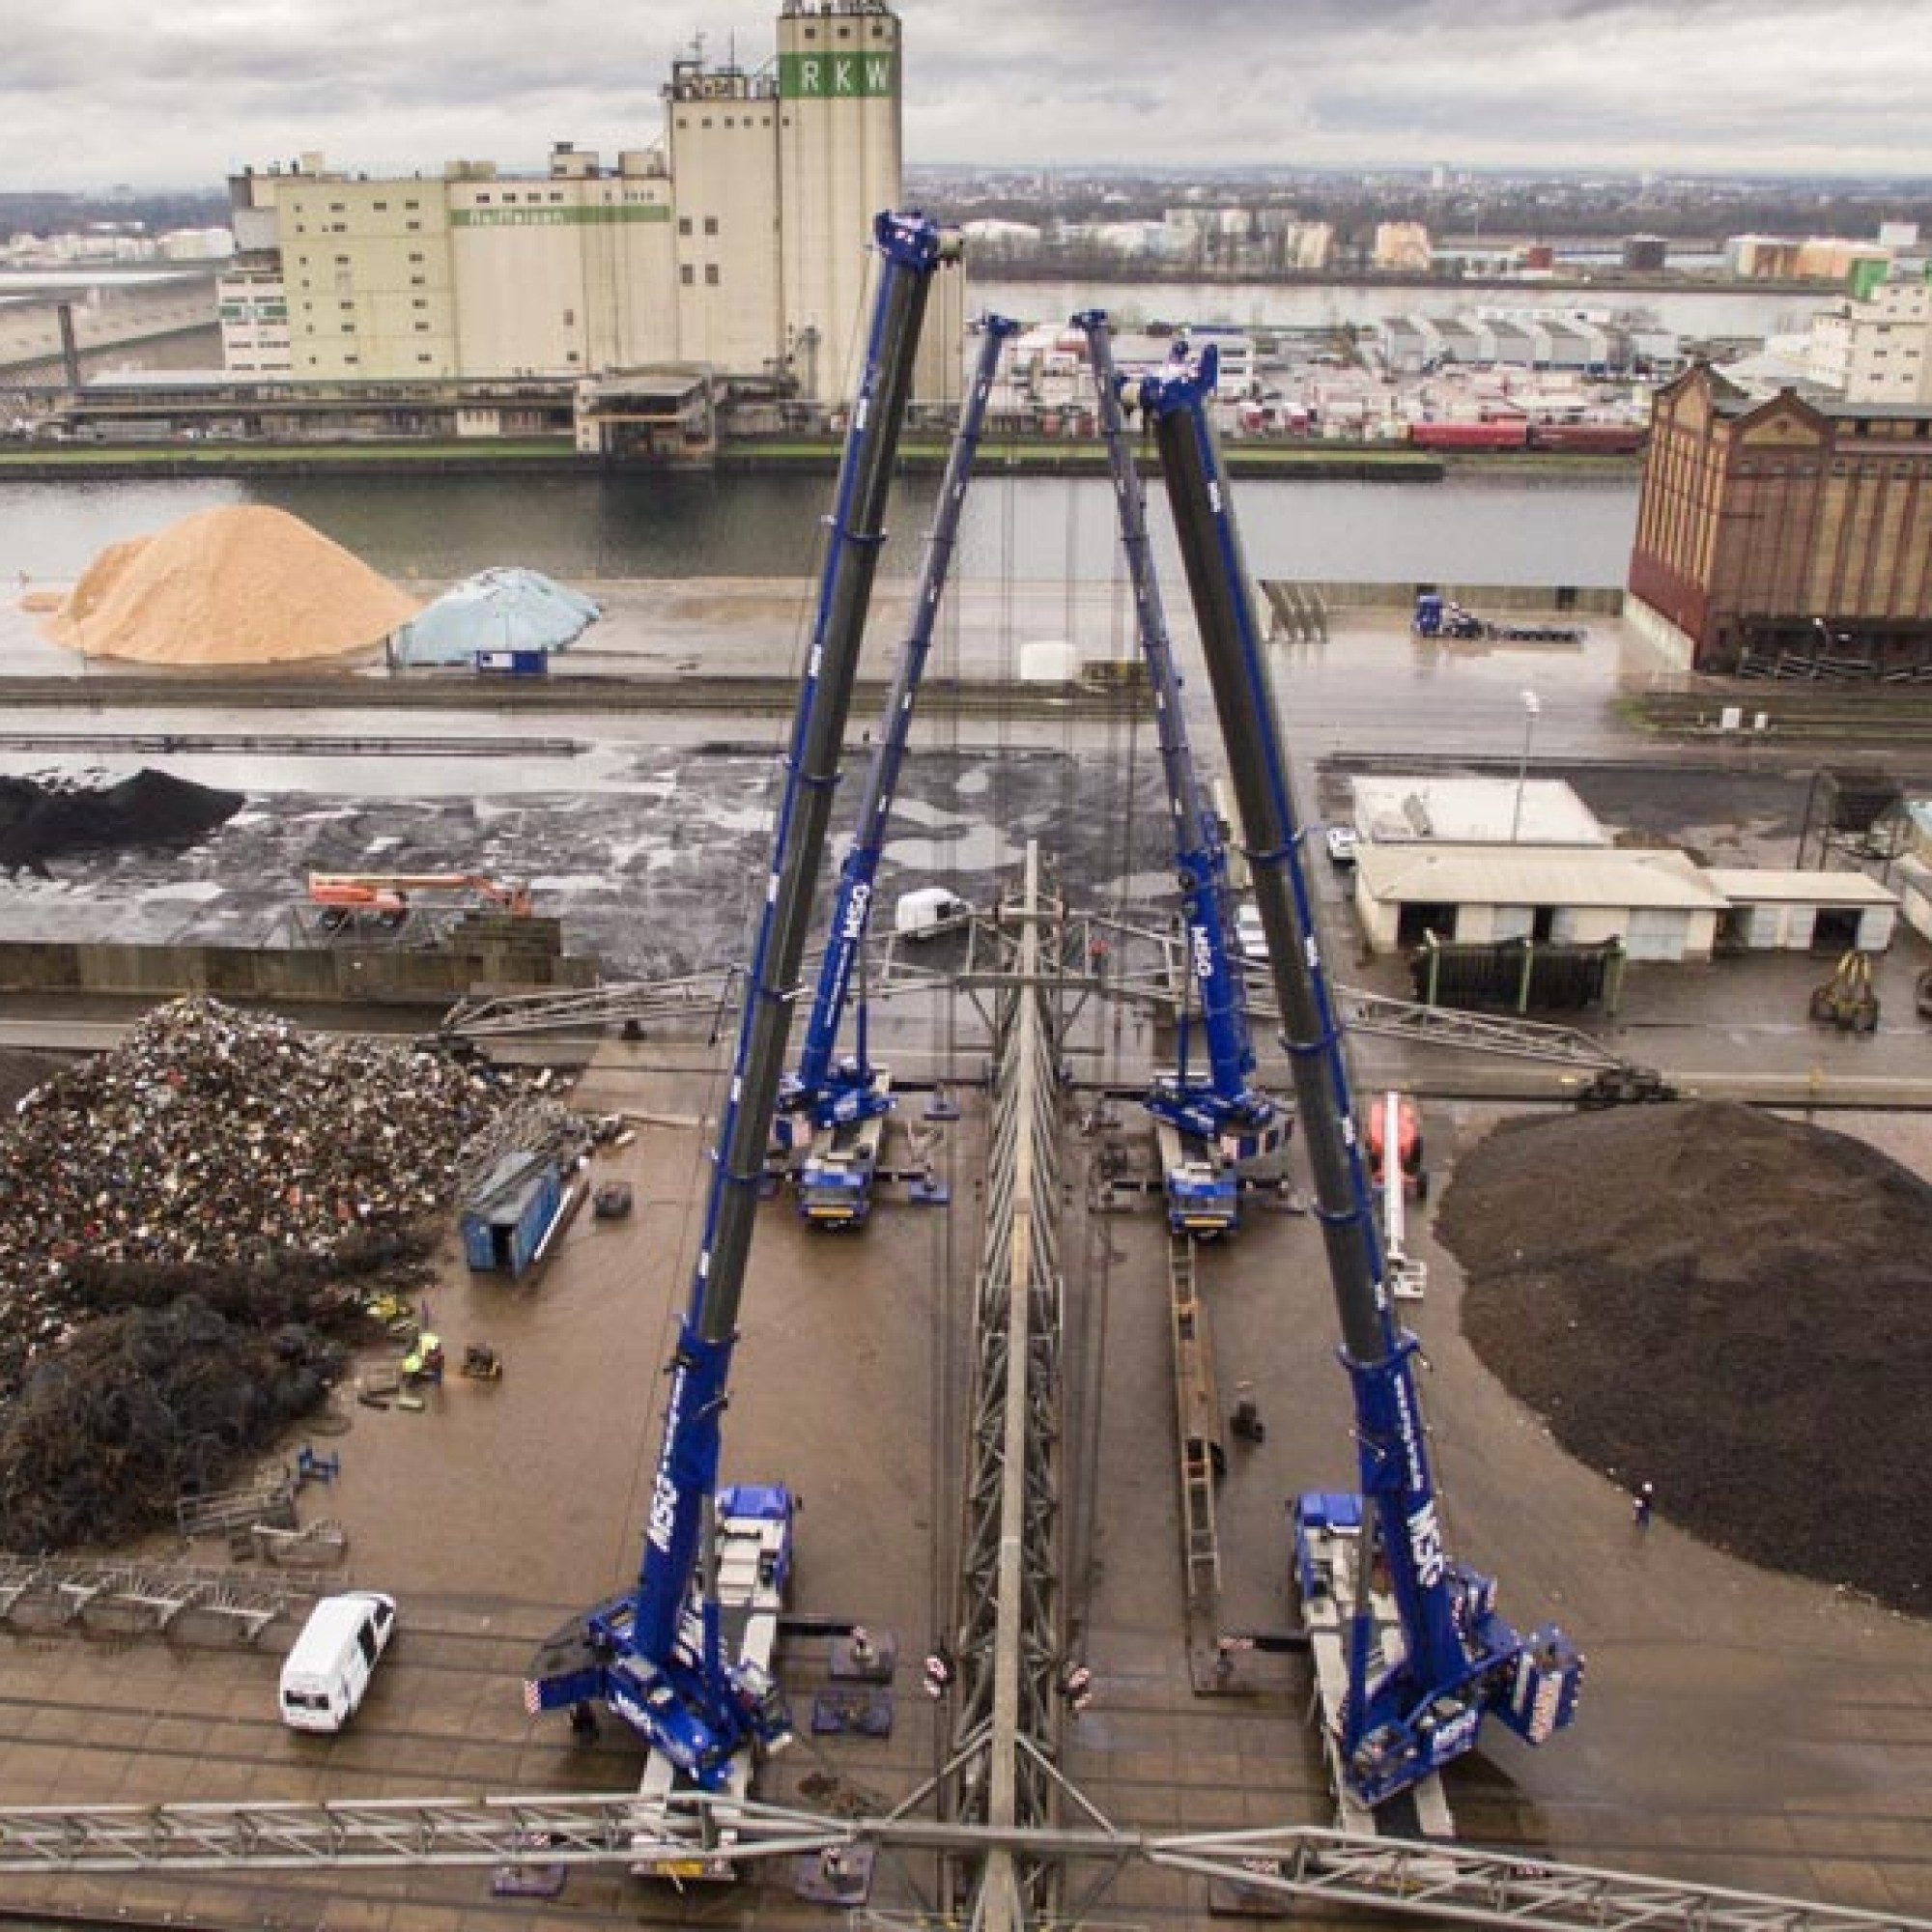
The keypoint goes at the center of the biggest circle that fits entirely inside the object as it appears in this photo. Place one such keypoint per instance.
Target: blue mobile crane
(1427, 1655)
(832, 1110)
(685, 1658)
(1208, 1127)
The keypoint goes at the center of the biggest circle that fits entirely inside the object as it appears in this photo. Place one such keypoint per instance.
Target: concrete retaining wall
(347, 972)
(1485, 599)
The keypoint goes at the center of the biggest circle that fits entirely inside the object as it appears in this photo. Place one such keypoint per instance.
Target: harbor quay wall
(1600, 600)
(399, 976)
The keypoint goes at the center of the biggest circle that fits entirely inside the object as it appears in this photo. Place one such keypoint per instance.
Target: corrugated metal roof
(1529, 875)
(500, 1197)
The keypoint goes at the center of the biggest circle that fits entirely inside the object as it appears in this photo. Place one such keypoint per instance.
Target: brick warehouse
(1787, 530)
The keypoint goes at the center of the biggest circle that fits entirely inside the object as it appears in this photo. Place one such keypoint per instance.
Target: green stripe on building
(596, 216)
(839, 76)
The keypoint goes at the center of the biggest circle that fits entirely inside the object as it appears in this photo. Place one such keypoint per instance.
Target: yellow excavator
(1848, 1000)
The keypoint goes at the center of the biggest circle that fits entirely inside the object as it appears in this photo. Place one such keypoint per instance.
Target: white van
(325, 1675)
(920, 913)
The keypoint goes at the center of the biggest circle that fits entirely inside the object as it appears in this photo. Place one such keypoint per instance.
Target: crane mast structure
(1418, 1692)
(825, 1091)
(1225, 1111)
(658, 1655)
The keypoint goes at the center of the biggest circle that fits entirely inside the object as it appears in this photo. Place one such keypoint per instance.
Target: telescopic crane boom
(1418, 1691)
(658, 1655)
(832, 1107)
(1218, 1123)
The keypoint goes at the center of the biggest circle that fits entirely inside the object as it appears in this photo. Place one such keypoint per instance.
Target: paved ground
(1739, 1728)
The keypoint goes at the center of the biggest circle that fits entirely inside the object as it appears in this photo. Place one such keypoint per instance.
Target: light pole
(1531, 706)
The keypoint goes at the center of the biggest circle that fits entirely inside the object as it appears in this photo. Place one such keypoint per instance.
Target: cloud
(1723, 86)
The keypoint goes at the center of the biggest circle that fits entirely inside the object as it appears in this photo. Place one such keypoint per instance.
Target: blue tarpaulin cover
(509, 608)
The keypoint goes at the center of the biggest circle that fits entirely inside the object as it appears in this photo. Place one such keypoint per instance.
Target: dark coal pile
(220, 1187)
(43, 819)
(1730, 1306)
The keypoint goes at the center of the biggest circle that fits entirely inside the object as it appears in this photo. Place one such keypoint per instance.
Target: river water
(1474, 527)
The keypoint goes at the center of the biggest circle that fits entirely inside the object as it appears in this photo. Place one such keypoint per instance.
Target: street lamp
(1532, 705)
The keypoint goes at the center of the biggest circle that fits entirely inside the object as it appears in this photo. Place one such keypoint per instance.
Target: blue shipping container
(517, 663)
(508, 1213)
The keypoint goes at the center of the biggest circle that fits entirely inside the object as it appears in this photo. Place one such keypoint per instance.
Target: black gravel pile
(1731, 1306)
(41, 818)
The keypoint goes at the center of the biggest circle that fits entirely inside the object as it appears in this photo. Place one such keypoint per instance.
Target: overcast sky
(96, 92)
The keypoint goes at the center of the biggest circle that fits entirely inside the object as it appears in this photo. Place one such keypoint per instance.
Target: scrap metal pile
(184, 1223)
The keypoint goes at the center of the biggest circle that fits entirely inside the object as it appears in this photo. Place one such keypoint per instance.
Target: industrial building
(1780, 528)
(1494, 862)
(736, 244)
(1876, 345)
(1527, 338)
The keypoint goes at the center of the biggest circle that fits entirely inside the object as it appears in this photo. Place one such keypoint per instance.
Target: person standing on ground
(1640, 1506)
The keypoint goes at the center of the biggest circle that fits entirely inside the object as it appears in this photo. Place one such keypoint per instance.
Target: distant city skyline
(89, 100)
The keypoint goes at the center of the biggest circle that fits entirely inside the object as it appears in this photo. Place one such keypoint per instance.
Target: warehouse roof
(1532, 875)
(1539, 812)
(1778, 886)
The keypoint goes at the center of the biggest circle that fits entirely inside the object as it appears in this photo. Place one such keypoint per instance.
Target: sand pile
(1731, 1306)
(241, 585)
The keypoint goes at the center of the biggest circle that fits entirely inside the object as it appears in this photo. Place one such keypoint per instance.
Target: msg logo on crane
(1425, 1545)
(1203, 954)
(664, 1491)
(854, 912)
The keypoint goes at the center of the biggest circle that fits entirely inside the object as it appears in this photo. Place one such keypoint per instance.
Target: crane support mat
(852, 1713)
(865, 1656)
(838, 1875)
(1229, 1899)
(521, 1881)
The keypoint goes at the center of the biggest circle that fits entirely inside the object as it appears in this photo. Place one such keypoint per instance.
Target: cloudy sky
(96, 92)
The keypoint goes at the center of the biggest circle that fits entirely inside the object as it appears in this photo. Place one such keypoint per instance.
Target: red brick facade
(1786, 528)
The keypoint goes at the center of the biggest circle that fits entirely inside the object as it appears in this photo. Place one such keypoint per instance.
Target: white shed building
(1658, 903)
(1804, 911)
(1473, 811)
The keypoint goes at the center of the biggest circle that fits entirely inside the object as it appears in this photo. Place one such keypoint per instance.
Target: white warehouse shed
(1658, 903)
(1795, 911)
(1473, 811)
